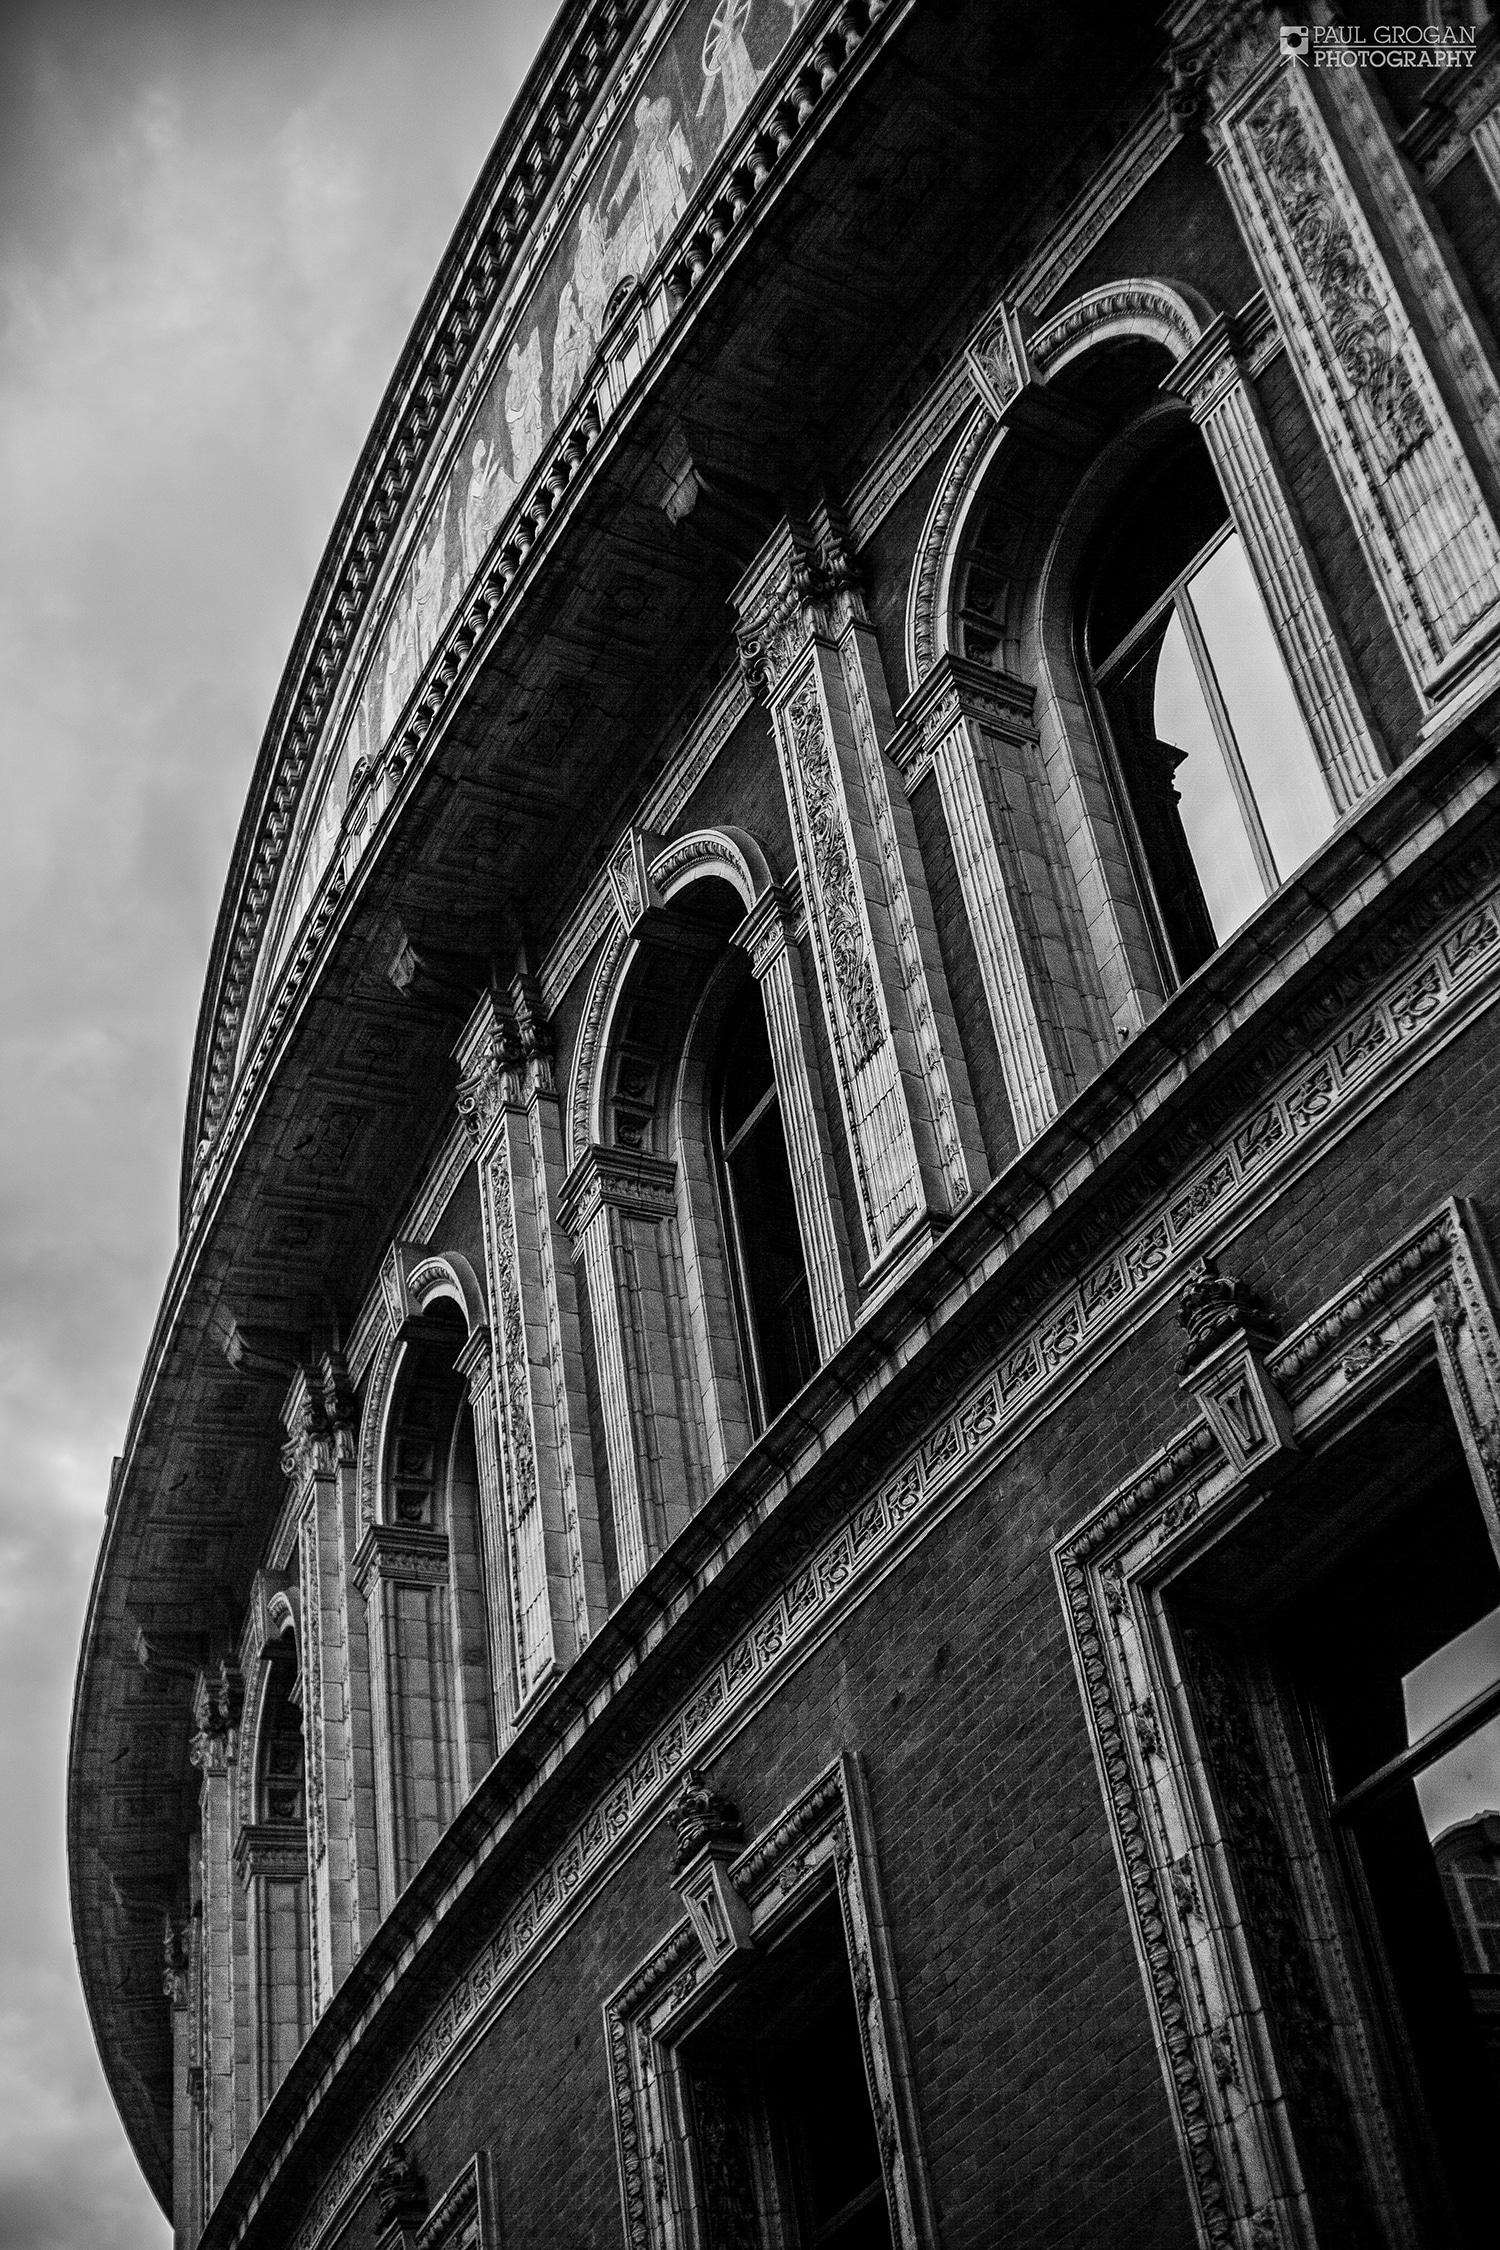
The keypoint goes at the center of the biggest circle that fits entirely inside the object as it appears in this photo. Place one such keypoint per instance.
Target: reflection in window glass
(1408, 1697)
(1224, 787)
(1288, 788)
(1208, 808)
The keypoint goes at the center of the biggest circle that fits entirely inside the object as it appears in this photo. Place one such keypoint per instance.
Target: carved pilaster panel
(548, 1513)
(1417, 507)
(777, 963)
(903, 1090)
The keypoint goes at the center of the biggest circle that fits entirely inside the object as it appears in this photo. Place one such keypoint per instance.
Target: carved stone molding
(408, 1553)
(276, 1850)
(821, 1847)
(802, 584)
(1431, 1296)
(631, 1180)
(1393, 1013)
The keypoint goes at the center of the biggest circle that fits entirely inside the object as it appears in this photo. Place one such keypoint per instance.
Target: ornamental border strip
(755, 159)
(940, 1467)
(1430, 1281)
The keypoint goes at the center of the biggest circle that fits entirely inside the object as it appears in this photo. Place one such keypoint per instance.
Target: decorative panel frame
(1432, 1298)
(463, 2218)
(822, 1846)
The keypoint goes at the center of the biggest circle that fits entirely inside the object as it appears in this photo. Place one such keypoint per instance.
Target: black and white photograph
(750, 1112)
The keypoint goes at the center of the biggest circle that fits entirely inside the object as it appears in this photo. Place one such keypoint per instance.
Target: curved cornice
(438, 373)
(583, 45)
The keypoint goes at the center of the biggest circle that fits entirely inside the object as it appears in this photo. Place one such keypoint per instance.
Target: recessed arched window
(1223, 788)
(760, 1210)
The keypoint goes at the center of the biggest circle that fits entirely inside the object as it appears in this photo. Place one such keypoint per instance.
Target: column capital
(803, 582)
(628, 1179)
(504, 1056)
(957, 688)
(411, 1553)
(318, 1417)
(277, 1848)
(771, 924)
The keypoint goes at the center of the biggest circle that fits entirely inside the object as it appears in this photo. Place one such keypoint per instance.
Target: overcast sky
(217, 219)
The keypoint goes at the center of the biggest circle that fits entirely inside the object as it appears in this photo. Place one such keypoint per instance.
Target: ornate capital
(410, 1553)
(957, 689)
(174, 1961)
(770, 925)
(804, 582)
(218, 1701)
(318, 1413)
(630, 1179)
(276, 1849)
(1217, 45)
(504, 1054)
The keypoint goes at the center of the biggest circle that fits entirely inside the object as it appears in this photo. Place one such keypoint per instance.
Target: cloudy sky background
(217, 219)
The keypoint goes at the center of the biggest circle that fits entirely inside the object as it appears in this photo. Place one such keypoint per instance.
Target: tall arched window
(760, 1211)
(273, 1868)
(1221, 784)
(430, 1632)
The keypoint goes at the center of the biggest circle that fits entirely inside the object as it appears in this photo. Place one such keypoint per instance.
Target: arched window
(1221, 785)
(273, 1868)
(760, 1211)
(430, 1631)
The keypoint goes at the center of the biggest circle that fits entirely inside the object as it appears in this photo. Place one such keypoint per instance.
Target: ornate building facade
(808, 1550)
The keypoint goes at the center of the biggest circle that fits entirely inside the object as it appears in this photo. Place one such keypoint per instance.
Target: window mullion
(1208, 680)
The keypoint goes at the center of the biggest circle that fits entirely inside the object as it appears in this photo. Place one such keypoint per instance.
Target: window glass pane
(1463, 1782)
(1288, 787)
(1148, 540)
(1211, 819)
(1452, 1676)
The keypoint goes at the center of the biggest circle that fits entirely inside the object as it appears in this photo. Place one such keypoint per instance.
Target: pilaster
(769, 934)
(402, 1572)
(552, 1588)
(319, 1459)
(271, 1860)
(178, 1985)
(1397, 382)
(904, 1096)
(214, 1750)
(618, 1205)
(971, 729)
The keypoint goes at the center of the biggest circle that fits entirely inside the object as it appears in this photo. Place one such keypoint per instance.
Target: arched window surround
(1101, 952)
(435, 1585)
(642, 1202)
(271, 1857)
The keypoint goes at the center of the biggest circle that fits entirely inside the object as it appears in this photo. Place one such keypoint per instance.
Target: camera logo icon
(1295, 40)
